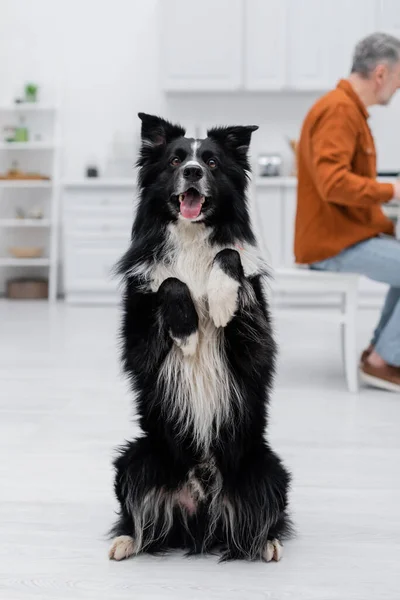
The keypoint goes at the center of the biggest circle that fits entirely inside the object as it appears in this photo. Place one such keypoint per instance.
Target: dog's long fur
(198, 349)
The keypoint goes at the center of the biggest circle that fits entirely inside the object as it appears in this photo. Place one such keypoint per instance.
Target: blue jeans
(379, 259)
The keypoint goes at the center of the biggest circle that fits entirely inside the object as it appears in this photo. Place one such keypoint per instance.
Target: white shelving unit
(47, 228)
(97, 224)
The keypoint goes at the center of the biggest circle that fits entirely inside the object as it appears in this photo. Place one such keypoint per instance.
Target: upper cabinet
(352, 21)
(305, 33)
(389, 17)
(265, 45)
(214, 45)
(201, 44)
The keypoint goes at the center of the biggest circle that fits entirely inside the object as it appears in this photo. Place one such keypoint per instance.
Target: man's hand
(396, 186)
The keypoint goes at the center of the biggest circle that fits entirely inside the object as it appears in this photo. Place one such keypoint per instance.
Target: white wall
(278, 115)
(385, 126)
(103, 56)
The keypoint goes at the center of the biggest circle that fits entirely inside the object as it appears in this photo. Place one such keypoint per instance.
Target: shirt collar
(348, 89)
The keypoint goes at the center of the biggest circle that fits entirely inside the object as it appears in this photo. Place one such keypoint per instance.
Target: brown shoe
(365, 354)
(385, 378)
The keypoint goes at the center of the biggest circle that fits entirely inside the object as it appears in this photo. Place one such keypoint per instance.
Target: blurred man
(340, 225)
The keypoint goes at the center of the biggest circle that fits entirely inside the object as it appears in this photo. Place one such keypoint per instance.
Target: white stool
(299, 279)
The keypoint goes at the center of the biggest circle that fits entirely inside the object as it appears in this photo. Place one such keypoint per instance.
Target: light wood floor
(64, 407)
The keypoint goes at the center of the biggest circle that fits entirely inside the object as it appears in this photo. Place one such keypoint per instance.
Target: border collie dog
(199, 353)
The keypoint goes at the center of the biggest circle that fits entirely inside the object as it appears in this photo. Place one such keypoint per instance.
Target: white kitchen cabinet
(321, 37)
(201, 44)
(306, 45)
(388, 16)
(276, 200)
(268, 222)
(265, 45)
(306, 35)
(97, 223)
(349, 23)
(90, 262)
(289, 203)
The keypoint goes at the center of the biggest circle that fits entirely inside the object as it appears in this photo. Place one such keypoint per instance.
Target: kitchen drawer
(99, 223)
(90, 262)
(93, 199)
(105, 212)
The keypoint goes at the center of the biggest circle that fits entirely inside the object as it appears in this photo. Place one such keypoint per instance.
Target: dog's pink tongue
(190, 206)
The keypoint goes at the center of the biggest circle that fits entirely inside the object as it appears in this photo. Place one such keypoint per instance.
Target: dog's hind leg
(254, 507)
(150, 498)
(179, 315)
(122, 547)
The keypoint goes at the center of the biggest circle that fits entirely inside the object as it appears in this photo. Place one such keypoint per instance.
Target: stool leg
(349, 333)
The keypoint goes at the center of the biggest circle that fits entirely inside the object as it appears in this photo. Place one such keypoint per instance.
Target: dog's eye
(174, 162)
(212, 163)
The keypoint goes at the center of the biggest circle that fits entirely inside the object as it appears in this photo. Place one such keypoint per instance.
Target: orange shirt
(338, 197)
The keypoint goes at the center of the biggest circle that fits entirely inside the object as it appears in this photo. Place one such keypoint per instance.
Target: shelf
(28, 107)
(25, 223)
(24, 262)
(25, 184)
(27, 146)
(101, 182)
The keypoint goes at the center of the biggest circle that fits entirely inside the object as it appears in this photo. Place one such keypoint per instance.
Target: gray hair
(375, 49)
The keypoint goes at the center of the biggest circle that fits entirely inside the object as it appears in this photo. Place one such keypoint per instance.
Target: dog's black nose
(193, 173)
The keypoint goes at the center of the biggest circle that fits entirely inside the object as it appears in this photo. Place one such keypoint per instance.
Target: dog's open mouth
(190, 203)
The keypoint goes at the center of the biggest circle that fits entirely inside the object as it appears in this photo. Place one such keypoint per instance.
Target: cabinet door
(388, 17)
(289, 221)
(90, 260)
(307, 44)
(345, 32)
(265, 44)
(268, 222)
(322, 35)
(201, 44)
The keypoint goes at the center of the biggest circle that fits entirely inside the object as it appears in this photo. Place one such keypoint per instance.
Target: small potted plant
(31, 92)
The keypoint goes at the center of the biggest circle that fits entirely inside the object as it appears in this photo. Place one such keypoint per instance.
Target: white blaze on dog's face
(197, 179)
(193, 160)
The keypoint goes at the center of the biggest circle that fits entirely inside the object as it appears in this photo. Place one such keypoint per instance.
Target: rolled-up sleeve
(333, 143)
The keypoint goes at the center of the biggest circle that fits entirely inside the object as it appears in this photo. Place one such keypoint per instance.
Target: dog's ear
(236, 138)
(157, 132)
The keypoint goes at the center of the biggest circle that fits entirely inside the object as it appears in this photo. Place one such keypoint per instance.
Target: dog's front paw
(122, 547)
(223, 296)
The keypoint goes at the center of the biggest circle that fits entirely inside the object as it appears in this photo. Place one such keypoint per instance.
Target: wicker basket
(27, 289)
(26, 251)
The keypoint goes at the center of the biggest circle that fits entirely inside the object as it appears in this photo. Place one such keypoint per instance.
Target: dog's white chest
(189, 258)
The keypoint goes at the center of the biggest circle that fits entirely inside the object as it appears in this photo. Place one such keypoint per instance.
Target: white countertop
(292, 181)
(100, 182)
(275, 181)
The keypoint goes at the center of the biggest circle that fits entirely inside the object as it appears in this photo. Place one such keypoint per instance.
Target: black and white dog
(198, 349)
